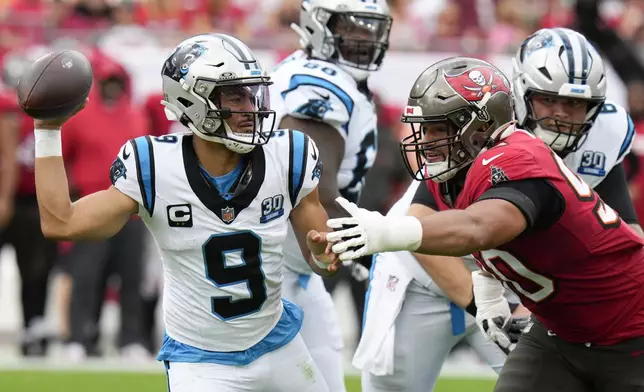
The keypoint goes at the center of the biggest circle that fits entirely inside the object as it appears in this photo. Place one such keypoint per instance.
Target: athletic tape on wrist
(48, 143)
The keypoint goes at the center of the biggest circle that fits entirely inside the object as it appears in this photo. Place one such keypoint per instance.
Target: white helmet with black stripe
(562, 63)
(352, 33)
(199, 79)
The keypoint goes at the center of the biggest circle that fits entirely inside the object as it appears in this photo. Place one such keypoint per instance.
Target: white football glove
(368, 232)
(493, 313)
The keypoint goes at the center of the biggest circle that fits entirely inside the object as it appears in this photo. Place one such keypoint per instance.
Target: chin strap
(172, 112)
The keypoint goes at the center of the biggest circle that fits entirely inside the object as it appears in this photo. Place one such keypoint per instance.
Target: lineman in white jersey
(322, 91)
(559, 93)
(217, 201)
(591, 134)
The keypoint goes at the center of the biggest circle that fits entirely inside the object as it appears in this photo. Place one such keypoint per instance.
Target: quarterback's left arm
(309, 223)
(614, 192)
(499, 215)
(308, 216)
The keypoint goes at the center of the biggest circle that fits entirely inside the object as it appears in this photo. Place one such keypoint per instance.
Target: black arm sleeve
(614, 192)
(424, 197)
(633, 166)
(540, 202)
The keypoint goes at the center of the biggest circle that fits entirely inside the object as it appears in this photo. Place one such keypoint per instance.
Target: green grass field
(56, 381)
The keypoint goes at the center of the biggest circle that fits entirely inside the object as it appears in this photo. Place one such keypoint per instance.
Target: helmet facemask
(360, 40)
(561, 135)
(440, 158)
(239, 111)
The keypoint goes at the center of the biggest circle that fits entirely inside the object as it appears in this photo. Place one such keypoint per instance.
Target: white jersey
(609, 140)
(222, 258)
(318, 90)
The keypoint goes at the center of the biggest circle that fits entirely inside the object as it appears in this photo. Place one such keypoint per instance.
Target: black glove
(517, 326)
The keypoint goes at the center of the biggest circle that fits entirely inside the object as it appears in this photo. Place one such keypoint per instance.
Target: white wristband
(48, 143)
(403, 233)
(317, 262)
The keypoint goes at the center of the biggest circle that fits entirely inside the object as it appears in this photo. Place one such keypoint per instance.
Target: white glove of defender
(492, 309)
(368, 232)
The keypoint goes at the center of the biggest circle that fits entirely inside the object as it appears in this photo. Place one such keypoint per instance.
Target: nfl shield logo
(227, 214)
(392, 282)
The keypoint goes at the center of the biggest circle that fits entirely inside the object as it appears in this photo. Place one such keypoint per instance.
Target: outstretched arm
(449, 273)
(498, 216)
(484, 225)
(94, 217)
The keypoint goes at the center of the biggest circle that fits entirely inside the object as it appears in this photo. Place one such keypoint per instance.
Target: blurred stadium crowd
(28, 28)
(471, 25)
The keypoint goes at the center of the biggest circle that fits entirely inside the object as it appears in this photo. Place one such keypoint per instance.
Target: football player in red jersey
(532, 223)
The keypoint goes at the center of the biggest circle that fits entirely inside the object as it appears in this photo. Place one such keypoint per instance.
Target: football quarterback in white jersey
(559, 89)
(218, 201)
(322, 91)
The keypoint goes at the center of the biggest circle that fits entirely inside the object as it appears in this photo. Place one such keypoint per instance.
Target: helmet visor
(243, 107)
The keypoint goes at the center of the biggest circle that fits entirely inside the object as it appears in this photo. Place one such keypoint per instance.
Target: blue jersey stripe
(628, 139)
(297, 159)
(368, 293)
(309, 80)
(145, 168)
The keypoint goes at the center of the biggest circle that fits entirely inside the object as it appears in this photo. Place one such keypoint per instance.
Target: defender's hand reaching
(367, 232)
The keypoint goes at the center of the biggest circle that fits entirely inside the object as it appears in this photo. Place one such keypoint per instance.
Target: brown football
(55, 85)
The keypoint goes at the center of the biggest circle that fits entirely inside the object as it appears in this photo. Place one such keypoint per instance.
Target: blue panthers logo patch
(536, 42)
(317, 170)
(178, 64)
(117, 170)
(315, 108)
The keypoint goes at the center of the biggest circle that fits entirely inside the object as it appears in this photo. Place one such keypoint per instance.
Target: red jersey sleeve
(514, 160)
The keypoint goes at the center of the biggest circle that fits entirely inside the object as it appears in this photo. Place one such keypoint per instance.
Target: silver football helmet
(352, 33)
(206, 70)
(562, 63)
(470, 98)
